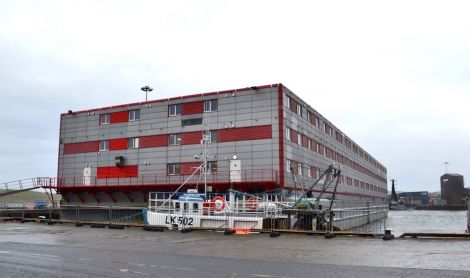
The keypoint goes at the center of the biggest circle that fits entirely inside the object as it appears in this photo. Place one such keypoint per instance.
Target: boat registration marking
(182, 220)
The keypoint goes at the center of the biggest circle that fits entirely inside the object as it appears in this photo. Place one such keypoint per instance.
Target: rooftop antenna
(446, 163)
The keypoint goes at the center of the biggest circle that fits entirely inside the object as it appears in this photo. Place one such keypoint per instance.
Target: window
(174, 139)
(309, 144)
(212, 135)
(299, 169)
(288, 133)
(133, 143)
(194, 121)
(328, 130)
(289, 166)
(134, 115)
(174, 169)
(105, 119)
(314, 172)
(288, 101)
(210, 105)
(309, 171)
(211, 167)
(299, 139)
(104, 145)
(174, 110)
(299, 109)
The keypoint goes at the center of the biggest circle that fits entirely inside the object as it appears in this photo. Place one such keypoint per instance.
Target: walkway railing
(262, 176)
(12, 187)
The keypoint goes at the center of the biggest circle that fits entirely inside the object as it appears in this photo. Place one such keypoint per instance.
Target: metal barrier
(284, 219)
(95, 214)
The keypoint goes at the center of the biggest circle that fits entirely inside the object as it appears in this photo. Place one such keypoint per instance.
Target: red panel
(245, 133)
(293, 105)
(118, 144)
(153, 141)
(305, 141)
(82, 147)
(188, 168)
(321, 149)
(313, 172)
(293, 136)
(189, 138)
(314, 146)
(120, 117)
(192, 108)
(280, 107)
(130, 171)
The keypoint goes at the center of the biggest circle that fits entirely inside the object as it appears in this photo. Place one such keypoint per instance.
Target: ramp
(18, 186)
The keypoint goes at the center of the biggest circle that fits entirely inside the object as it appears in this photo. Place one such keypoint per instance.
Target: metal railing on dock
(285, 220)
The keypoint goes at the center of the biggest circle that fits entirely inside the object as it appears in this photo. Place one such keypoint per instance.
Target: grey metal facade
(249, 107)
(296, 152)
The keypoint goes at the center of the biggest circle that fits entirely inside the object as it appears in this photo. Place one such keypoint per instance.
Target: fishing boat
(240, 210)
(192, 209)
(234, 210)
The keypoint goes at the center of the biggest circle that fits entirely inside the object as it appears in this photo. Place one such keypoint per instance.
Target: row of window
(173, 140)
(298, 168)
(209, 106)
(312, 172)
(173, 110)
(175, 168)
(133, 115)
(313, 119)
(132, 143)
(306, 142)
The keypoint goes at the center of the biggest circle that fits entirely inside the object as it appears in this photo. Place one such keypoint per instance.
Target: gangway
(18, 186)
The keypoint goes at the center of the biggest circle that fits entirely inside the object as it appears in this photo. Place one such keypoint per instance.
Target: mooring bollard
(274, 233)
(229, 232)
(388, 235)
(329, 235)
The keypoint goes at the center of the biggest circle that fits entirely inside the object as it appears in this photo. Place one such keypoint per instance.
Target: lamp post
(446, 163)
(146, 89)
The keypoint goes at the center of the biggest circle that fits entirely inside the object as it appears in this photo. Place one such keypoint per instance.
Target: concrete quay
(41, 250)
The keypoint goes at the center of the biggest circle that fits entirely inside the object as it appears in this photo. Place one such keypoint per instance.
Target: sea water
(439, 221)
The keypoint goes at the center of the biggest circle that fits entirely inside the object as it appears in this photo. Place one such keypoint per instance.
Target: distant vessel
(394, 203)
(399, 207)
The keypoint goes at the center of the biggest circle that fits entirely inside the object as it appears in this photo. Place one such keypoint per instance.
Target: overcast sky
(393, 75)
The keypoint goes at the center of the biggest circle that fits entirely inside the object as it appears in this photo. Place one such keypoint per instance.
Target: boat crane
(332, 169)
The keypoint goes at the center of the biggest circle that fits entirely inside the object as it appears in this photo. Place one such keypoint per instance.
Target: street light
(146, 89)
(446, 163)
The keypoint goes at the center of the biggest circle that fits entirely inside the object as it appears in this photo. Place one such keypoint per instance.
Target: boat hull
(223, 221)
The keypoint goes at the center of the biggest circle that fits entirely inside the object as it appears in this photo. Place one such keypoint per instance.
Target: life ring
(218, 203)
(252, 203)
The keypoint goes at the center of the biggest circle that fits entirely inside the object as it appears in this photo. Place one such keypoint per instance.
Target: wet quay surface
(39, 250)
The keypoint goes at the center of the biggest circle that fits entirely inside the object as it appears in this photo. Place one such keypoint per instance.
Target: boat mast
(205, 142)
(205, 153)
